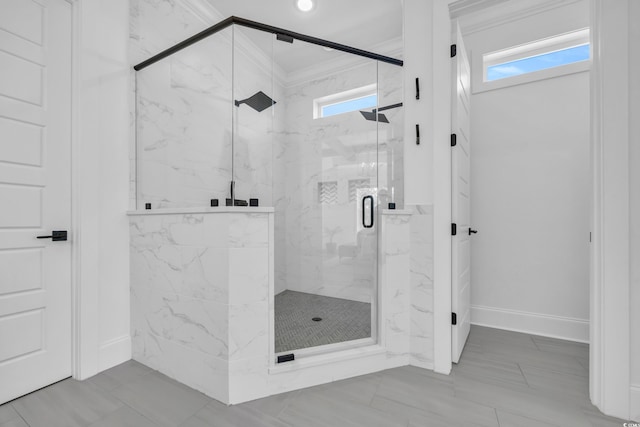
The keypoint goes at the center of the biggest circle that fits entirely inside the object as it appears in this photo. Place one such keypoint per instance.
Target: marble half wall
(202, 304)
(199, 288)
(421, 285)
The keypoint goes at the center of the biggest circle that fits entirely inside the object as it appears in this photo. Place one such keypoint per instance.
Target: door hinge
(454, 319)
(454, 139)
(454, 50)
(454, 229)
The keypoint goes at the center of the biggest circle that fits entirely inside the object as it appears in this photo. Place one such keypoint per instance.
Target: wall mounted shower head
(259, 101)
(371, 115)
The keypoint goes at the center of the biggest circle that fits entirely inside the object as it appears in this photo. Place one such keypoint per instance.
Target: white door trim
(75, 211)
(84, 304)
(442, 335)
(609, 371)
(100, 198)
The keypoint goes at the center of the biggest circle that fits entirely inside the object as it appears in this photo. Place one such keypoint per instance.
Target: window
(349, 105)
(538, 62)
(362, 98)
(554, 56)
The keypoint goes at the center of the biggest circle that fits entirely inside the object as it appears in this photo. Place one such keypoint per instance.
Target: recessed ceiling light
(304, 5)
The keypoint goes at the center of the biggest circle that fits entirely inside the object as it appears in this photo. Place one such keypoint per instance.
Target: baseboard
(565, 328)
(114, 352)
(634, 403)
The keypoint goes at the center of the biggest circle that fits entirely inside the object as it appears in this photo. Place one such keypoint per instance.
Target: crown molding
(480, 15)
(465, 7)
(393, 48)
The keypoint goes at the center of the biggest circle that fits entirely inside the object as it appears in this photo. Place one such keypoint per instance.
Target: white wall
(101, 183)
(530, 203)
(530, 190)
(634, 169)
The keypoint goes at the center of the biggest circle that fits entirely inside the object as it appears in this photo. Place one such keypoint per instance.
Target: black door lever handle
(472, 231)
(56, 236)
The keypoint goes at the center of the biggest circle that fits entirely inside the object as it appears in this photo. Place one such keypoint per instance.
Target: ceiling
(364, 24)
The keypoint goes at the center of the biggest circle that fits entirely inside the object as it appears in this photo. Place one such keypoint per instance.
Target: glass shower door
(325, 198)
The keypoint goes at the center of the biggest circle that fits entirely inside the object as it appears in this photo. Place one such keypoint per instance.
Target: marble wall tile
(422, 352)
(248, 330)
(156, 268)
(205, 273)
(206, 305)
(148, 231)
(398, 347)
(193, 323)
(395, 269)
(248, 230)
(248, 275)
(185, 123)
(248, 379)
(216, 230)
(397, 234)
(182, 270)
(421, 311)
(156, 230)
(188, 231)
(196, 369)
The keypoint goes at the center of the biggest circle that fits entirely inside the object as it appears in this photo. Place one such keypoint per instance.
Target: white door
(35, 182)
(460, 198)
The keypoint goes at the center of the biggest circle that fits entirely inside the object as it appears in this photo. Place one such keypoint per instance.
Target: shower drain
(316, 319)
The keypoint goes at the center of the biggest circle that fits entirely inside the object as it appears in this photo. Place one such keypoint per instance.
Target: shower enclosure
(245, 114)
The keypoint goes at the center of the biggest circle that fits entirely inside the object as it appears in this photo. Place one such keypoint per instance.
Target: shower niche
(278, 153)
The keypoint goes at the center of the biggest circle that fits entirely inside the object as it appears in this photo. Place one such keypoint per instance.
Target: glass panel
(183, 140)
(538, 62)
(390, 136)
(325, 258)
(255, 102)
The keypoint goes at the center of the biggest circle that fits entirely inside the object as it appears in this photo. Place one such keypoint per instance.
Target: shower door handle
(364, 211)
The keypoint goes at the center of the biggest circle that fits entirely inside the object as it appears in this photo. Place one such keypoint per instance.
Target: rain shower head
(371, 116)
(259, 102)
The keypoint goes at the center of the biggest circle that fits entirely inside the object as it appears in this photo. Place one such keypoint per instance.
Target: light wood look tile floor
(504, 379)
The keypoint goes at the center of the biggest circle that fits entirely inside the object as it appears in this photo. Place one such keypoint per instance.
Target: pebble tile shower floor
(341, 320)
(504, 379)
